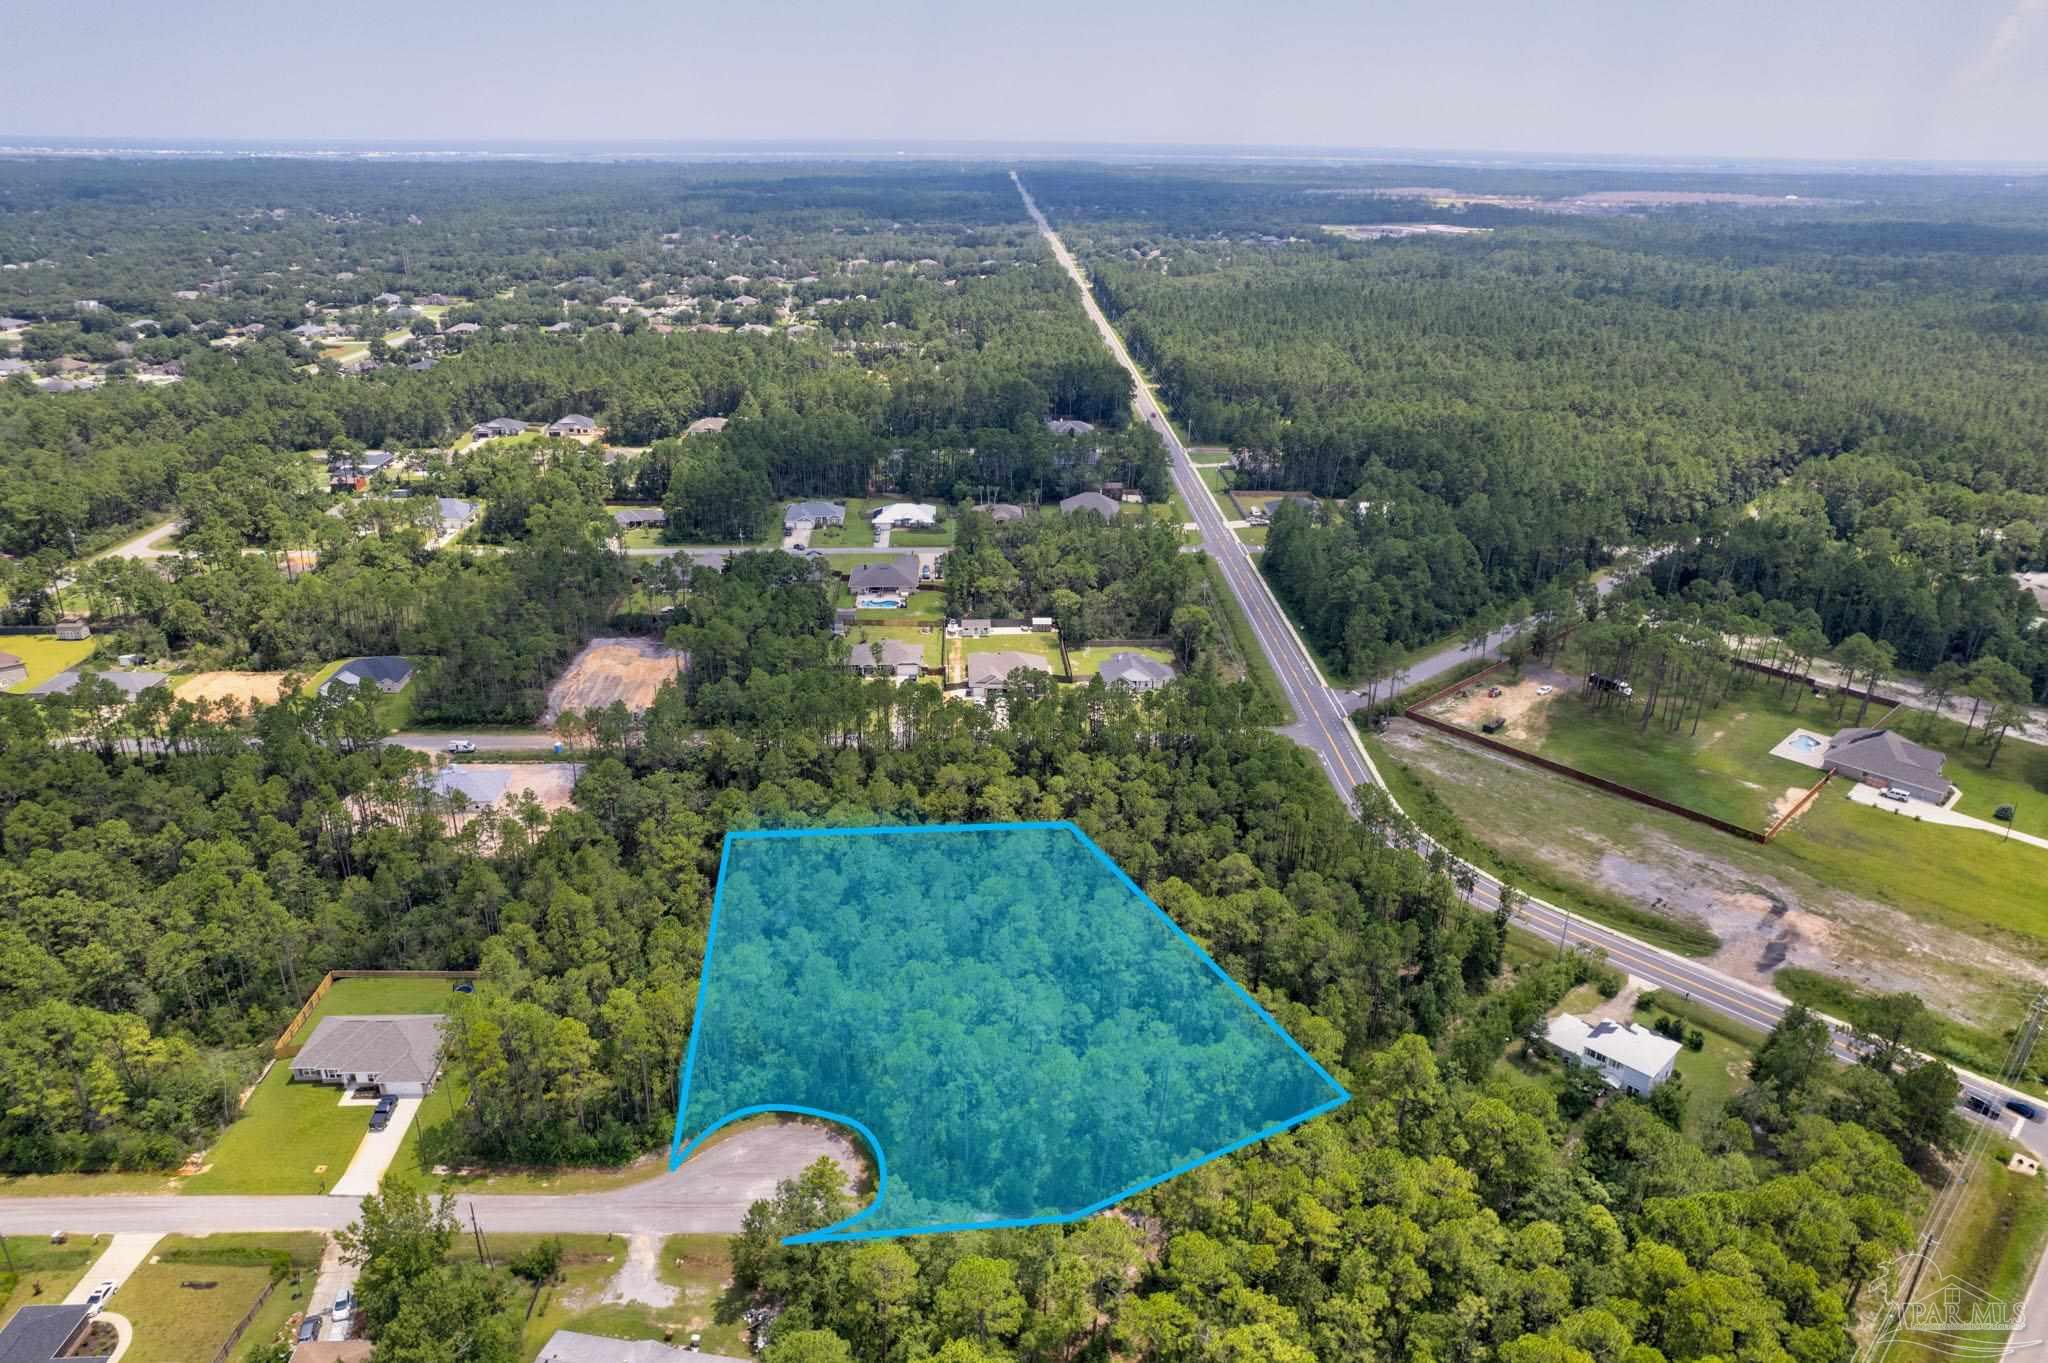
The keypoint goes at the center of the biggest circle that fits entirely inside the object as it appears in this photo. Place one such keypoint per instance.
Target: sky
(1952, 80)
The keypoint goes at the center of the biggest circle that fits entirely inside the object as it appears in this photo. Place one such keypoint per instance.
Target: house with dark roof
(464, 329)
(130, 683)
(817, 513)
(1090, 501)
(1883, 758)
(387, 673)
(572, 425)
(1134, 672)
(1065, 425)
(395, 1053)
(456, 515)
(41, 1334)
(887, 583)
(499, 426)
(630, 517)
(1002, 513)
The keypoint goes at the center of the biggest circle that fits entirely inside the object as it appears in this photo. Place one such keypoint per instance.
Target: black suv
(380, 1116)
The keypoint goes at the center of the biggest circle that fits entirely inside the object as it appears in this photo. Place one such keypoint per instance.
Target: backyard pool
(1802, 742)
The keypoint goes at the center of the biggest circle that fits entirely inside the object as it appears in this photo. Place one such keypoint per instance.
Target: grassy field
(284, 1136)
(45, 655)
(1046, 646)
(937, 537)
(698, 1267)
(1992, 1244)
(55, 1269)
(1243, 645)
(184, 1305)
(1976, 1048)
(76, 1185)
(1713, 1074)
(1215, 477)
(1089, 660)
(588, 1263)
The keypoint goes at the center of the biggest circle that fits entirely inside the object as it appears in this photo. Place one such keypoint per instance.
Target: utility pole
(482, 1251)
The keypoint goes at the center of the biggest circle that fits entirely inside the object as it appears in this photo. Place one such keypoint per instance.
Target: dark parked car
(465, 986)
(380, 1116)
(2024, 1108)
(309, 1329)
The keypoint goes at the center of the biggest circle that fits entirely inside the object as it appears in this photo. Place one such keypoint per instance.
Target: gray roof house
(817, 513)
(396, 1053)
(574, 424)
(39, 1334)
(464, 329)
(387, 673)
(1090, 501)
(891, 577)
(630, 516)
(1883, 758)
(900, 658)
(988, 672)
(1066, 425)
(573, 1346)
(705, 425)
(454, 512)
(1002, 513)
(1135, 672)
(504, 425)
(132, 684)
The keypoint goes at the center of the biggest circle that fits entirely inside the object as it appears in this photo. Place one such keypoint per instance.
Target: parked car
(1895, 794)
(2024, 1108)
(99, 1295)
(344, 1306)
(309, 1329)
(1545, 690)
(461, 745)
(465, 986)
(380, 1115)
(1493, 691)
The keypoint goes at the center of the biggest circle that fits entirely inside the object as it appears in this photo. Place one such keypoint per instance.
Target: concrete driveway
(1932, 813)
(335, 1275)
(366, 1170)
(122, 1256)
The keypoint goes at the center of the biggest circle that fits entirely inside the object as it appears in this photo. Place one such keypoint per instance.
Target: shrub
(1695, 1039)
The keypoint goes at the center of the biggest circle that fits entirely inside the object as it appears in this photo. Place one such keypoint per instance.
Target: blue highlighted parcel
(1018, 1033)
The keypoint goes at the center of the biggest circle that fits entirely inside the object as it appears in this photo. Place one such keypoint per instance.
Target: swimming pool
(1802, 742)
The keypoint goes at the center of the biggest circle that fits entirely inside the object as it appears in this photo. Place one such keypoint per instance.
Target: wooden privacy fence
(1815, 683)
(1799, 807)
(291, 1030)
(220, 1355)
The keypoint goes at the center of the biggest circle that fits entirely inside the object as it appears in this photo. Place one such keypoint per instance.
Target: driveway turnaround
(123, 1255)
(366, 1170)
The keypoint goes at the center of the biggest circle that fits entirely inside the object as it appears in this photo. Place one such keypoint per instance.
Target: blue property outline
(679, 1153)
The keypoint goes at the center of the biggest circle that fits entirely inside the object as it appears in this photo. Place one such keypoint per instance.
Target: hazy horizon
(1829, 81)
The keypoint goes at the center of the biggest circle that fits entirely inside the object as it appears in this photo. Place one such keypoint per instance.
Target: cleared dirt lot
(629, 670)
(1518, 703)
(246, 688)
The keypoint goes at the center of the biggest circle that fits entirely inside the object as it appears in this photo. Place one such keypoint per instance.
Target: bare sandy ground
(1518, 703)
(247, 688)
(629, 670)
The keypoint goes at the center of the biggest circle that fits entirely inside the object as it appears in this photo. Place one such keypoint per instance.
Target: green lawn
(1712, 1075)
(75, 1185)
(1725, 770)
(1253, 534)
(699, 1267)
(184, 1305)
(939, 537)
(1992, 1244)
(2019, 777)
(643, 537)
(1089, 660)
(319, 679)
(1213, 476)
(857, 533)
(844, 564)
(55, 1269)
(1046, 646)
(45, 655)
(588, 1263)
(283, 1137)
(381, 994)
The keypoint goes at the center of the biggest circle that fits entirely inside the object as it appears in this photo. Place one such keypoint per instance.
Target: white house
(1626, 1056)
(397, 1054)
(903, 515)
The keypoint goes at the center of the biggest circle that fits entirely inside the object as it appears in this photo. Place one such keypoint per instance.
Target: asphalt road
(710, 1194)
(1322, 725)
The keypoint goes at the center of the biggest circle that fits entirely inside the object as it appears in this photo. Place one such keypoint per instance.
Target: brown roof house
(989, 673)
(1882, 758)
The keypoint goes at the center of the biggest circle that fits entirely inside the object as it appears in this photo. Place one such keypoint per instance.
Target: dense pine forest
(1839, 405)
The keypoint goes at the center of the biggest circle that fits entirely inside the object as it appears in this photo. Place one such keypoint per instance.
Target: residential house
(634, 517)
(886, 584)
(395, 1053)
(61, 386)
(1134, 672)
(386, 299)
(437, 300)
(1090, 501)
(817, 513)
(573, 1346)
(905, 515)
(618, 300)
(1883, 758)
(1061, 425)
(423, 364)
(456, 514)
(131, 683)
(1625, 1055)
(402, 312)
(17, 323)
(42, 1334)
(1002, 513)
(970, 628)
(989, 673)
(13, 671)
(72, 628)
(386, 672)
(899, 658)
(352, 473)
(464, 329)
(573, 425)
(500, 426)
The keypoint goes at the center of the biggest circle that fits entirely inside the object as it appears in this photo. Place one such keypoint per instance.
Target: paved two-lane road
(1322, 724)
